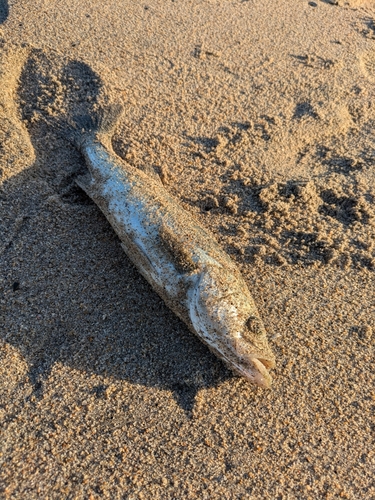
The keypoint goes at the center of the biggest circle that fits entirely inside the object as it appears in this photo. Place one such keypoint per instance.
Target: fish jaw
(256, 358)
(254, 371)
(259, 374)
(253, 367)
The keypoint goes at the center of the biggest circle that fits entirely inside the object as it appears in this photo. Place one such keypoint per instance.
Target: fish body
(177, 256)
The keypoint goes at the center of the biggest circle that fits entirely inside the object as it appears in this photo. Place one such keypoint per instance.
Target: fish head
(224, 316)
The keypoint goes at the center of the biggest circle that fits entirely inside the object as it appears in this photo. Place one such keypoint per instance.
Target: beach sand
(259, 118)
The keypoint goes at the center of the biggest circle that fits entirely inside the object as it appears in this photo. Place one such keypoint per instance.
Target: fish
(180, 259)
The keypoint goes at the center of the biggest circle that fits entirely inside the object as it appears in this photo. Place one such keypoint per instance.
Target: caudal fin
(82, 127)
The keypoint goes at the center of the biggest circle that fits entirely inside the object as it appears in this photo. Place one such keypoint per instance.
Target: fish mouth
(268, 363)
(257, 373)
(253, 364)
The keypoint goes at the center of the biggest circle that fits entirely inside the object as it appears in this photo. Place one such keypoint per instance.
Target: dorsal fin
(180, 248)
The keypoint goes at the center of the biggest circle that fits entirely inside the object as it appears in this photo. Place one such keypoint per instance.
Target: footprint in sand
(367, 64)
(16, 151)
(349, 3)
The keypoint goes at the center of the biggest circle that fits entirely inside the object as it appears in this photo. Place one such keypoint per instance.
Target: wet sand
(259, 118)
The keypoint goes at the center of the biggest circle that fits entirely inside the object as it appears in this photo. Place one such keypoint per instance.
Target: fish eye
(254, 326)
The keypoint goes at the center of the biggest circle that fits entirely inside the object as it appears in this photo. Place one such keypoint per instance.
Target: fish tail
(108, 118)
(82, 127)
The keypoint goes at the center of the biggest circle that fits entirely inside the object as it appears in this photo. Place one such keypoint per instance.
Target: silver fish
(177, 256)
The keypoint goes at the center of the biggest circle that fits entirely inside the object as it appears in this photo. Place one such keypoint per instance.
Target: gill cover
(224, 316)
(216, 310)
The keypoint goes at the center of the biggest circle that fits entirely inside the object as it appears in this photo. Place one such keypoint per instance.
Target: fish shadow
(72, 296)
(4, 11)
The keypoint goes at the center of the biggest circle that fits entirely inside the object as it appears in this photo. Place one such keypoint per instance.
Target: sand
(259, 118)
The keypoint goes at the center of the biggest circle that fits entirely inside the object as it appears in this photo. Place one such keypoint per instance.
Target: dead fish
(177, 256)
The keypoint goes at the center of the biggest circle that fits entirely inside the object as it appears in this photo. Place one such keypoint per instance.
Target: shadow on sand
(72, 296)
(4, 11)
